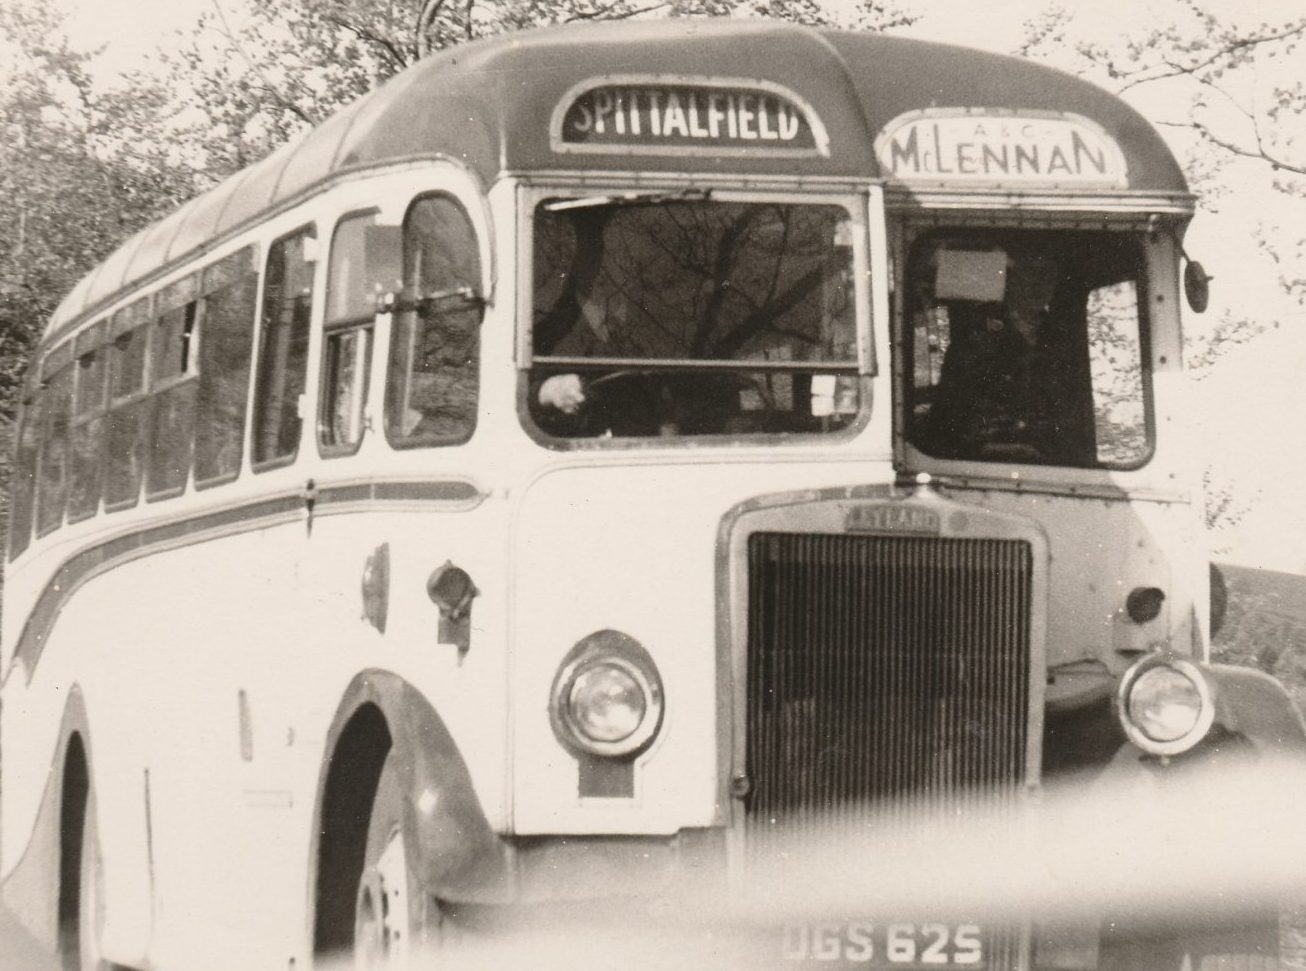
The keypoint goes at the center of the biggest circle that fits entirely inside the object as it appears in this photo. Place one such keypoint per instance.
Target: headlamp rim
(1205, 715)
(612, 648)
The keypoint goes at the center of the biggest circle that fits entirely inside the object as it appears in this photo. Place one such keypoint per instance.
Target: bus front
(849, 497)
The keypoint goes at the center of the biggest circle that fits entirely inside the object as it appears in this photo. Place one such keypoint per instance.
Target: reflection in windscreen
(692, 318)
(1026, 346)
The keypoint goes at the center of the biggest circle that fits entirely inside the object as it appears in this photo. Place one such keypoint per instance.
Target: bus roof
(496, 106)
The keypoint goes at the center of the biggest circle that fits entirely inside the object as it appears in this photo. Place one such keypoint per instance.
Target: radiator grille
(883, 671)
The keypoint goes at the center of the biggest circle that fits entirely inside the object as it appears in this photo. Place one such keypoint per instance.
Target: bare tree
(1239, 87)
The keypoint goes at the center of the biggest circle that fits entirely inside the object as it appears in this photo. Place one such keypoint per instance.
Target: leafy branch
(614, 11)
(1231, 50)
(272, 90)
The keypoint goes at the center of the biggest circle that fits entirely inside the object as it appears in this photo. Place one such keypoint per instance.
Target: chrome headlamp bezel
(616, 650)
(1201, 723)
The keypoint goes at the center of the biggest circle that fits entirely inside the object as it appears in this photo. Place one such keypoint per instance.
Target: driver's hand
(563, 392)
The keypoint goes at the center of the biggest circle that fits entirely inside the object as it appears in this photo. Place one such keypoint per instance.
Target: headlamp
(607, 697)
(1165, 704)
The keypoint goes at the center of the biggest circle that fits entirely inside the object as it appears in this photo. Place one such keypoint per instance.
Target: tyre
(81, 951)
(392, 917)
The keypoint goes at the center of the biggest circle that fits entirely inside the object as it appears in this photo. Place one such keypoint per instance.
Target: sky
(1251, 410)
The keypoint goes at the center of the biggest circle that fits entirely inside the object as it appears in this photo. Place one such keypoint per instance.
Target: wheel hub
(382, 926)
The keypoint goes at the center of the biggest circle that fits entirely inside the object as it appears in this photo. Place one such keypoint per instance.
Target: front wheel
(392, 916)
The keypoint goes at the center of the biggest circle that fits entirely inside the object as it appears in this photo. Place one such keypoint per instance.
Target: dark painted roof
(489, 104)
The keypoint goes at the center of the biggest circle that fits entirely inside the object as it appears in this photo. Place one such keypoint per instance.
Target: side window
(22, 487)
(230, 308)
(364, 266)
(52, 474)
(173, 368)
(90, 404)
(431, 390)
(129, 407)
(283, 348)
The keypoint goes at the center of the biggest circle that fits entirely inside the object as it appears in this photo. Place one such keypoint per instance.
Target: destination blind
(690, 118)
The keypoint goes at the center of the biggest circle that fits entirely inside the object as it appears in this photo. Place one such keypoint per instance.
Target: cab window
(1028, 346)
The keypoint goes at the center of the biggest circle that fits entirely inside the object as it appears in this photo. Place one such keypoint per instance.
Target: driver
(590, 335)
(576, 326)
(562, 392)
(583, 320)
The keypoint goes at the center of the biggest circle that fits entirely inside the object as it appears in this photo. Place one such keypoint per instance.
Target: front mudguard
(1254, 708)
(459, 857)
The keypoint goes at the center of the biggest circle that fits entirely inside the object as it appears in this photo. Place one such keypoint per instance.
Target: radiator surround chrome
(879, 510)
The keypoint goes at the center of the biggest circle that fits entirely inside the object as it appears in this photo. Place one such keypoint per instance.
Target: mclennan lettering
(1055, 149)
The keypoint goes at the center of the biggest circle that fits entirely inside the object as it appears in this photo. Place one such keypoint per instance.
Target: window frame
(135, 318)
(332, 329)
(138, 322)
(192, 331)
(91, 340)
(181, 296)
(408, 442)
(29, 416)
(255, 269)
(327, 384)
(917, 229)
(309, 231)
(59, 364)
(858, 203)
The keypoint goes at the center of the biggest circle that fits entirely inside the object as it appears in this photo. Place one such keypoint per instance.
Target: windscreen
(692, 317)
(1027, 346)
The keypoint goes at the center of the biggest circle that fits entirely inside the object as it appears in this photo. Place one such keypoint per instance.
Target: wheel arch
(41, 890)
(460, 858)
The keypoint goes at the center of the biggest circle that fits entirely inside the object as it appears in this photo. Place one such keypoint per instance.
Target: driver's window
(431, 389)
(1027, 346)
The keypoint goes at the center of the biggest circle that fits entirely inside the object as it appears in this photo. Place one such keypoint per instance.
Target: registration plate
(885, 944)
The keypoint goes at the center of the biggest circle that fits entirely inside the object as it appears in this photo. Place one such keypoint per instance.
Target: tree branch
(606, 13)
(1259, 153)
(388, 47)
(268, 86)
(425, 17)
(1228, 50)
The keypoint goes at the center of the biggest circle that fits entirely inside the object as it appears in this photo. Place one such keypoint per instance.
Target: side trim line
(104, 556)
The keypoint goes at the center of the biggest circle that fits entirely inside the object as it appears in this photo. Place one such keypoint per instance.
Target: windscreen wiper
(628, 199)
